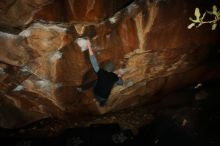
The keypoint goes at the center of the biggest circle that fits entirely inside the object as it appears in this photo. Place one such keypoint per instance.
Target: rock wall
(41, 65)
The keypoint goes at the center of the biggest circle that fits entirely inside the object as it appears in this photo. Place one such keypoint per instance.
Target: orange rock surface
(41, 65)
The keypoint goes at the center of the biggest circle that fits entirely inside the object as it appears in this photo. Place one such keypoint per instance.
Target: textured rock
(17, 13)
(11, 51)
(76, 11)
(41, 65)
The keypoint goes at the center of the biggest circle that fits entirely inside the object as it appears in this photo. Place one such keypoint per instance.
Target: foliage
(201, 19)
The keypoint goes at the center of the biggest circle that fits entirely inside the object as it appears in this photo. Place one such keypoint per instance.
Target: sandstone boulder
(41, 65)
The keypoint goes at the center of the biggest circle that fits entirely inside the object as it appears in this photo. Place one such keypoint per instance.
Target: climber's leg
(86, 86)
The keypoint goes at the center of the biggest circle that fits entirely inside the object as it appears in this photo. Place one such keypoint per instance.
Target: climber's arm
(92, 57)
(89, 48)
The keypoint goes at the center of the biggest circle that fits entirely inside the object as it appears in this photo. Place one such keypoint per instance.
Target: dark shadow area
(193, 123)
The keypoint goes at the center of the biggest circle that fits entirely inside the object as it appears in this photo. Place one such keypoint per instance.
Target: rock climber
(106, 77)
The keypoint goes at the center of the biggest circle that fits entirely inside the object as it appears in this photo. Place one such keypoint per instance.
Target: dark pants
(92, 84)
(100, 99)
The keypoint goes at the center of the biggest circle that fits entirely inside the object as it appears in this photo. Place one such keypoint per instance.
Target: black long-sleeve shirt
(105, 82)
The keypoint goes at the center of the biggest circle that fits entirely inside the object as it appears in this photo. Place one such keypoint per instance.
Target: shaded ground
(188, 117)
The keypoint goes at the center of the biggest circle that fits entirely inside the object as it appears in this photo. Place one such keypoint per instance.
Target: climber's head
(109, 66)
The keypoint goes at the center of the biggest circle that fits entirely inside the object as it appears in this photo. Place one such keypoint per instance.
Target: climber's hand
(119, 73)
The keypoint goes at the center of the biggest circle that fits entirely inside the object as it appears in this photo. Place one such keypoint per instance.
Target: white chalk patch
(2, 71)
(44, 84)
(7, 35)
(55, 56)
(25, 33)
(198, 86)
(26, 69)
(18, 88)
(46, 27)
(132, 7)
(82, 43)
(50, 26)
(113, 20)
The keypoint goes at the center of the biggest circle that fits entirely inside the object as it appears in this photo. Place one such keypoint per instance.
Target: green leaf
(203, 16)
(191, 25)
(191, 19)
(197, 13)
(214, 26)
(214, 10)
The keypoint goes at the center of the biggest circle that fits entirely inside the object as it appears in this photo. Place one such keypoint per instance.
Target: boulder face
(41, 65)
